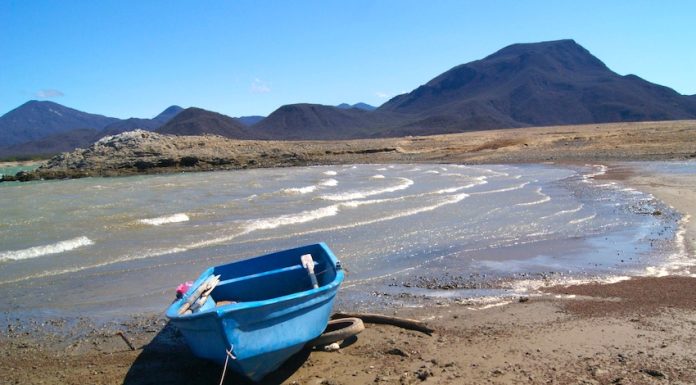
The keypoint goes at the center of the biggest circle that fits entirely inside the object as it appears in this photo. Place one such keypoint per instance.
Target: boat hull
(264, 333)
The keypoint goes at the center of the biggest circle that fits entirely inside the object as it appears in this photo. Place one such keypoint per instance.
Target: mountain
(38, 119)
(138, 123)
(548, 83)
(315, 121)
(197, 121)
(168, 114)
(48, 142)
(250, 120)
(359, 106)
(531, 84)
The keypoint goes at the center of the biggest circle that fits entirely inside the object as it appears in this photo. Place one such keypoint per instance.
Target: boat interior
(270, 276)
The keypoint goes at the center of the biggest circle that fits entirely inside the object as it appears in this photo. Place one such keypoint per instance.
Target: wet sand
(639, 331)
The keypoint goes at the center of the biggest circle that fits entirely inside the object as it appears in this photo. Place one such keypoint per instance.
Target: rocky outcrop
(142, 151)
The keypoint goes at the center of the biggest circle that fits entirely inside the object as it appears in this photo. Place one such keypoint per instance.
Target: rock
(25, 176)
(397, 352)
(332, 347)
(524, 299)
(653, 373)
(423, 373)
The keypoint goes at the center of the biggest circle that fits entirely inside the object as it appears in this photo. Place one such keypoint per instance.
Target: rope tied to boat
(227, 359)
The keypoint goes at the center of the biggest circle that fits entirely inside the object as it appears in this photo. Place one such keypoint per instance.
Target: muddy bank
(546, 339)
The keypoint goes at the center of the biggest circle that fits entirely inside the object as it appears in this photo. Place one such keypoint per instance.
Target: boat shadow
(168, 360)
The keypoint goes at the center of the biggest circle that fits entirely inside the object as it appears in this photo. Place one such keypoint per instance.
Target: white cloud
(48, 93)
(259, 86)
(382, 95)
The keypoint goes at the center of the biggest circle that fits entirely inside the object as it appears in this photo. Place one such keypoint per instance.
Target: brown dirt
(647, 339)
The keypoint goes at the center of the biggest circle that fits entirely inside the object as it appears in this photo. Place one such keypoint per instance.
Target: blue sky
(134, 58)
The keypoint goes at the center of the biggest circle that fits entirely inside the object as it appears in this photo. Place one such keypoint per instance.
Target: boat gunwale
(221, 311)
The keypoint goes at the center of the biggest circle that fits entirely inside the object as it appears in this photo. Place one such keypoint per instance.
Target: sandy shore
(639, 331)
(677, 191)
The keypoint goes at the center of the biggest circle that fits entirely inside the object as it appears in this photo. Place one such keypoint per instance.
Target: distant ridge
(250, 120)
(197, 121)
(359, 106)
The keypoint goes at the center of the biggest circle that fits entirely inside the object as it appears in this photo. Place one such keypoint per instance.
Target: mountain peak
(168, 114)
(40, 104)
(37, 119)
(545, 83)
(543, 46)
(557, 55)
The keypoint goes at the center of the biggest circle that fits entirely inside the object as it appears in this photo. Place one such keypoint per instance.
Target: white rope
(224, 368)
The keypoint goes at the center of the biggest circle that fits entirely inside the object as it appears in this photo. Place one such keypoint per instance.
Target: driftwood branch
(126, 339)
(404, 323)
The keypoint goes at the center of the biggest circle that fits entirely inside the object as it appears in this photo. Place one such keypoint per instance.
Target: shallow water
(12, 170)
(108, 246)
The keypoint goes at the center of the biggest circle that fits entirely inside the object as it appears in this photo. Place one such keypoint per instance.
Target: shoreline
(633, 331)
(143, 152)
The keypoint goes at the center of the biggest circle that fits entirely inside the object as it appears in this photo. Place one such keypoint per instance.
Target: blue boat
(263, 310)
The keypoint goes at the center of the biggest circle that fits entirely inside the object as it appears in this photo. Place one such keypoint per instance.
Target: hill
(315, 121)
(556, 82)
(197, 121)
(38, 119)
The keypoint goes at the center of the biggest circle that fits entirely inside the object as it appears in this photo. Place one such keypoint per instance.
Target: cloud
(49, 93)
(259, 86)
(382, 95)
